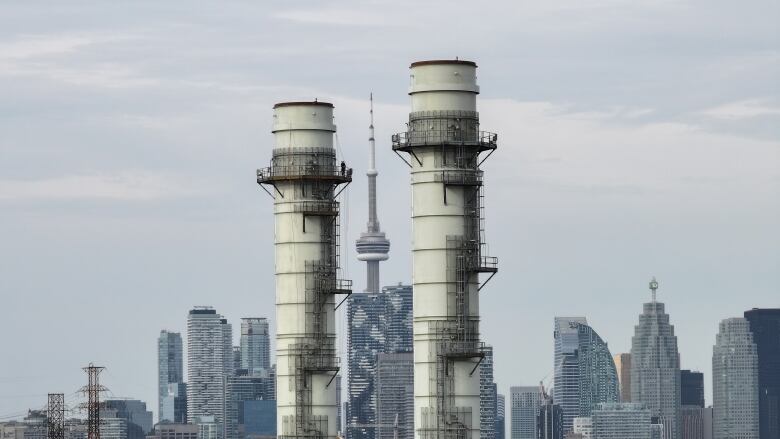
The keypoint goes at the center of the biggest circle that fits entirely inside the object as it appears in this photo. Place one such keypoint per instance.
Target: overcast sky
(636, 138)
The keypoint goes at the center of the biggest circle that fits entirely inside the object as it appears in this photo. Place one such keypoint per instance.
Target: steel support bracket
(402, 158)
(486, 281)
(333, 377)
(415, 156)
(266, 191)
(477, 365)
(343, 300)
(486, 157)
(340, 191)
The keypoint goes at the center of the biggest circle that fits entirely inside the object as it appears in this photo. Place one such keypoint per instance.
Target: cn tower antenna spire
(372, 246)
(371, 143)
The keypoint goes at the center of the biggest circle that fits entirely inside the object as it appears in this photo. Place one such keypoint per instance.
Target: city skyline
(257, 387)
(149, 212)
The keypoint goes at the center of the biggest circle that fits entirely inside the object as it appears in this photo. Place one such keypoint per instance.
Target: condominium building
(208, 427)
(585, 372)
(500, 416)
(378, 323)
(735, 382)
(170, 371)
(174, 404)
(236, 359)
(255, 345)
(487, 396)
(210, 361)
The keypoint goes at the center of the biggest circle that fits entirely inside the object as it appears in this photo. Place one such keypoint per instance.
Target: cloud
(551, 146)
(123, 186)
(336, 17)
(36, 46)
(53, 57)
(745, 109)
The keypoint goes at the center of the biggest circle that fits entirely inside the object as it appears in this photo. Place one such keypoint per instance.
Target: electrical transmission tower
(55, 416)
(92, 390)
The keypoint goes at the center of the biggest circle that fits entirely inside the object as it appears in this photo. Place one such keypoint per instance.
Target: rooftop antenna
(372, 246)
(653, 287)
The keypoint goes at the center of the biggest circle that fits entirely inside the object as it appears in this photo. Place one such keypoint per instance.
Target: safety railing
(303, 172)
(463, 349)
(482, 139)
(322, 208)
(487, 264)
(465, 177)
(335, 286)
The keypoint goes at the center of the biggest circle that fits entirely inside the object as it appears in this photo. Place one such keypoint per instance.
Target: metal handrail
(468, 347)
(302, 171)
(317, 207)
(334, 284)
(488, 262)
(438, 137)
(468, 177)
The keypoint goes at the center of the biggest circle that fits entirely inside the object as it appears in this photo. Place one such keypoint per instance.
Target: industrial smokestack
(444, 144)
(304, 176)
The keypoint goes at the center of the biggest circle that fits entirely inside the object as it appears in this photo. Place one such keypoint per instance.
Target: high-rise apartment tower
(209, 362)
(255, 345)
(378, 323)
(170, 371)
(584, 372)
(487, 396)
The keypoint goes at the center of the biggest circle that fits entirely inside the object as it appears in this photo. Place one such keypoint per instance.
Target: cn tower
(372, 246)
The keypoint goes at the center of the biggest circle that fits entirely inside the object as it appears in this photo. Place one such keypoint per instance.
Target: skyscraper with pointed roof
(655, 366)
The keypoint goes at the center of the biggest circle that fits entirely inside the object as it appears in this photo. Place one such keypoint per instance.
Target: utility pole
(92, 390)
(55, 416)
